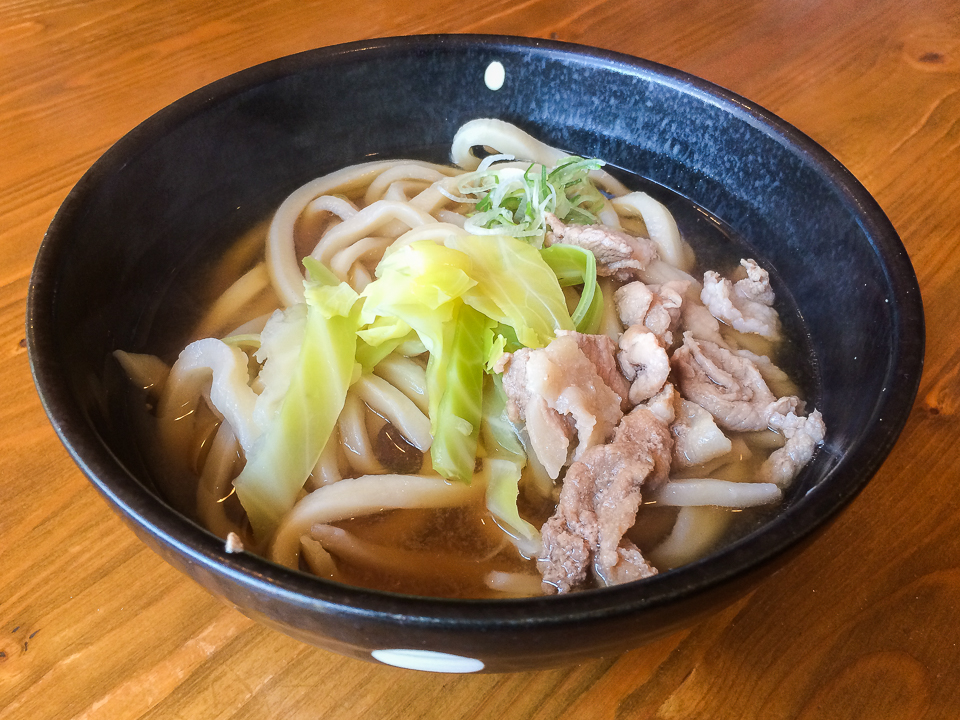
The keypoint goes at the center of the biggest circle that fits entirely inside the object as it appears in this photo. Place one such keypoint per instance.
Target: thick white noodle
(315, 218)
(514, 584)
(734, 466)
(281, 252)
(366, 222)
(231, 302)
(397, 561)
(408, 376)
(369, 248)
(510, 140)
(661, 227)
(437, 232)
(387, 401)
(341, 207)
(691, 492)
(503, 137)
(224, 368)
(450, 217)
(535, 476)
(608, 216)
(354, 436)
(317, 559)
(357, 497)
(437, 196)
(610, 324)
(396, 192)
(403, 171)
(215, 484)
(696, 531)
(327, 469)
(359, 277)
(145, 371)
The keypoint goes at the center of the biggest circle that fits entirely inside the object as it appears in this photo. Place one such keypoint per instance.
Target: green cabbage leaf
(282, 459)
(575, 265)
(514, 286)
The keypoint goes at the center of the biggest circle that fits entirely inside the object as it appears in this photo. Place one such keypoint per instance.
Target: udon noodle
(496, 378)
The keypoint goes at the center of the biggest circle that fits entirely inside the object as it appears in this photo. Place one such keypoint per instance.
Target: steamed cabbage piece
(281, 460)
(466, 300)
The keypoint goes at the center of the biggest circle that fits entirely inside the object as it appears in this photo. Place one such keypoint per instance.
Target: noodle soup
(492, 381)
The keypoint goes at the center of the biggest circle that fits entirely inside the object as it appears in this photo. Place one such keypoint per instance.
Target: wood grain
(862, 625)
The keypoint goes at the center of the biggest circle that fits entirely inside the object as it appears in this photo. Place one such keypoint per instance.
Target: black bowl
(173, 193)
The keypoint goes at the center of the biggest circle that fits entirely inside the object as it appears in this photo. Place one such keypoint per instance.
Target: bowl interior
(173, 194)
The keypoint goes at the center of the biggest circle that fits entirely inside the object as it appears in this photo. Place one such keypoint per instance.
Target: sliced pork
(644, 362)
(803, 435)
(656, 307)
(698, 321)
(745, 305)
(598, 503)
(559, 394)
(664, 404)
(727, 386)
(617, 253)
(602, 352)
(697, 439)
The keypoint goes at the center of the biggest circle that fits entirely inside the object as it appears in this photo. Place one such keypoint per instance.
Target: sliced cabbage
(502, 469)
(278, 354)
(281, 460)
(421, 286)
(514, 286)
(415, 285)
(458, 377)
(575, 265)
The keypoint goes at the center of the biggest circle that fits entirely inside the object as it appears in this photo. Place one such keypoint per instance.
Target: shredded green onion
(514, 202)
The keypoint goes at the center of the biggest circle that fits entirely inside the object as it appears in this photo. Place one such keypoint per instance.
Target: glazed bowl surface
(172, 195)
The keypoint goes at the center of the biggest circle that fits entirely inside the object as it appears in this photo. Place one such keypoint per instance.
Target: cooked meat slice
(776, 379)
(550, 435)
(602, 352)
(644, 362)
(570, 384)
(565, 564)
(630, 565)
(696, 436)
(656, 307)
(756, 286)
(514, 369)
(663, 317)
(698, 321)
(726, 385)
(745, 306)
(599, 500)
(646, 433)
(664, 404)
(633, 302)
(803, 435)
(555, 387)
(571, 535)
(617, 253)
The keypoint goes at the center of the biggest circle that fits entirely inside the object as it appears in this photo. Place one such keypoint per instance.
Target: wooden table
(863, 625)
